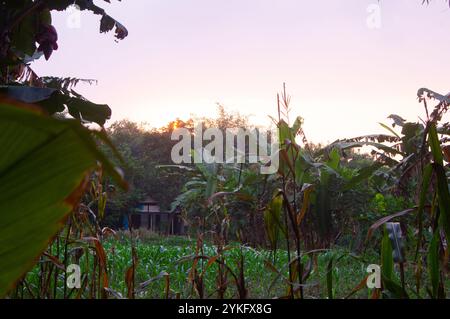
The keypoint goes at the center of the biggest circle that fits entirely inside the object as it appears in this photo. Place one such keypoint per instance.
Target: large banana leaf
(44, 164)
(54, 100)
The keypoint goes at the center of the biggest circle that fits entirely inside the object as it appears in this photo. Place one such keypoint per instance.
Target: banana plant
(27, 34)
(430, 153)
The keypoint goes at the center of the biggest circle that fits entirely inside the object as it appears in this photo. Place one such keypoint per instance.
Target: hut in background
(148, 215)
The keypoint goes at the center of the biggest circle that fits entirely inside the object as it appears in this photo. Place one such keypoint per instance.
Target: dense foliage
(63, 197)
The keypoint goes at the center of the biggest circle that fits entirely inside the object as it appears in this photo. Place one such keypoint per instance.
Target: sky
(348, 64)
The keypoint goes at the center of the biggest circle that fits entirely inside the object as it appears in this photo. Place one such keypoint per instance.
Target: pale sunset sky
(183, 56)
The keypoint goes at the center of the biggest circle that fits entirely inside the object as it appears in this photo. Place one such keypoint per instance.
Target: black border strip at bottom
(223, 308)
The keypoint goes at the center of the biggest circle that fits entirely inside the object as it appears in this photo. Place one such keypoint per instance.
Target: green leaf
(363, 174)
(394, 288)
(433, 140)
(389, 129)
(387, 268)
(442, 182)
(53, 100)
(297, 125)
(433, 263)
(443, 199)
(83, 109)
(28, 94)
(43, 167)
(334, 160)
(387, 262)
(272, 220)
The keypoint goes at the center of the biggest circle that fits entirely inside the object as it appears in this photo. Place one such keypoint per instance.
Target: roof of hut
(149, 200)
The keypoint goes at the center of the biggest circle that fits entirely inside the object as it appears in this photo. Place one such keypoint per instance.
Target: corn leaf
(433, 263)
(387, 262)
